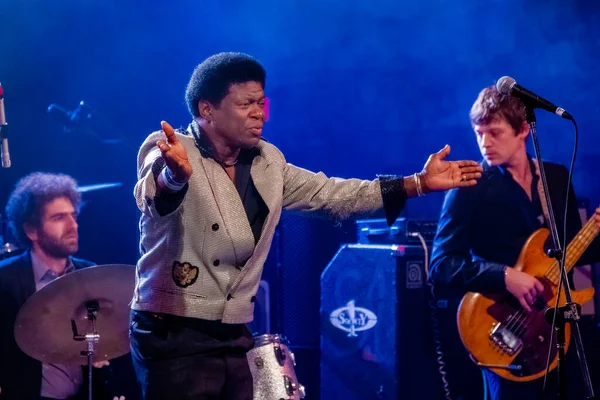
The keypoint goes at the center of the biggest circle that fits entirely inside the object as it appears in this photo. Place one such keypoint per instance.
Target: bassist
(482, 230)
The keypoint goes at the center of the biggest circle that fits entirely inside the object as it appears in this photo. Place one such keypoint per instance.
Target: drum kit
(79, 318)
(272, 366)
(83, 317)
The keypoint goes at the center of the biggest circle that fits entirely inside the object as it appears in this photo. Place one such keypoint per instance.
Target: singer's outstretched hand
(174, 154)
(443, 175)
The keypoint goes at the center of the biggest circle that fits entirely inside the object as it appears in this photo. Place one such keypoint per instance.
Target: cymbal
(43, 326)
(99, 186)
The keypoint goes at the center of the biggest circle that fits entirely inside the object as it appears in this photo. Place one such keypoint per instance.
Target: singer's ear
(205, 110)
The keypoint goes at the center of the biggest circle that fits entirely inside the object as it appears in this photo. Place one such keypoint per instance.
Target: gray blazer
(200, 260)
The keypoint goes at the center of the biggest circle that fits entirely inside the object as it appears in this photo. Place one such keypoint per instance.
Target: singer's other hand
(174, 154)
(439, 174)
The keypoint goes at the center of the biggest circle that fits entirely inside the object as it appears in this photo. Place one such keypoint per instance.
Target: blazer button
(252, 299)
(216, 263)
(229, 297)
(215, 227)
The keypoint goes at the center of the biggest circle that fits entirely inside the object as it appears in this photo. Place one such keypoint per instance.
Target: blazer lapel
(262, 180)
(265, 180)
(230, 207)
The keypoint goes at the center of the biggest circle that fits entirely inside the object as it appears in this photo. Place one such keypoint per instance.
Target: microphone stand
(569, 312)
(4, 156)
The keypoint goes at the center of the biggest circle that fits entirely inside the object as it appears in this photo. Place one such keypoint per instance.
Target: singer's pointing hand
(174, 154)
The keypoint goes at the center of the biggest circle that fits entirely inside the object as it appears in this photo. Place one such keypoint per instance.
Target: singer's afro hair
(212, 78)
(31, 194)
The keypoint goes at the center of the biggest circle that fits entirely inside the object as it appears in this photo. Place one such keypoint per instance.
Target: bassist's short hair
(492, 105)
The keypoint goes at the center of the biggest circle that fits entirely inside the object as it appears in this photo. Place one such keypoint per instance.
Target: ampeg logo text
(353, 319)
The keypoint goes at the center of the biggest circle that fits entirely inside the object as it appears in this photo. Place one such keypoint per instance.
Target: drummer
(42, 214)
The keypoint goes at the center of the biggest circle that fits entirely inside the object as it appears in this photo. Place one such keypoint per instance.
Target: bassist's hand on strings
(524, 287)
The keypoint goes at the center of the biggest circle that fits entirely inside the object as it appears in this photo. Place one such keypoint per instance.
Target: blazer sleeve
(339, 198)
(149, 165)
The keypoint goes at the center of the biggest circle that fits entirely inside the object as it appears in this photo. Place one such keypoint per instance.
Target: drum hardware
(92, 308)
(291, 386)
(279, 354)
(98, 297)
(272, 367)
(7, 249)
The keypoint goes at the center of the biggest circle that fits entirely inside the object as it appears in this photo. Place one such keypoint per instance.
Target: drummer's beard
(59, 247)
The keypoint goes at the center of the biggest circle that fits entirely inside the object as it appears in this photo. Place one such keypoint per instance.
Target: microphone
(4, 132)
(507, 85)
(76, 114)
(60, 113)
(70, 119)
(81, 120)
(71, 116)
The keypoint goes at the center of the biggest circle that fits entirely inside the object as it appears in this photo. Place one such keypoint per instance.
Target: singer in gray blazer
(210, 199)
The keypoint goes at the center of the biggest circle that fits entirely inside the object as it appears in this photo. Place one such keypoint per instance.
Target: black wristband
(394, 196)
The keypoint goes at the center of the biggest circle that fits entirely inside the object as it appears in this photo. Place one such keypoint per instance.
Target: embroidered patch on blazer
(184, 274)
